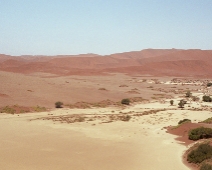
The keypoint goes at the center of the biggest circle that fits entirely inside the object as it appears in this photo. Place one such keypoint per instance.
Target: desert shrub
(188, 94)
(58, 104)
(203, 152)
(125, 101)
(7, 109)
(22, 111)
(195, 98)
(39, 109)
(183, 101)
(208, 120)
(200, 133)
(206, 98)
(80, 119)
(102, 89)
(126, 118)
(183, 121)
(206, 167)
(181, 104)
(171, 102)
(209, 84)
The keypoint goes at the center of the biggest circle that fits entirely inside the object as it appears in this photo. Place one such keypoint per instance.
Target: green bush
(58, 104)
(206, 167)
(200, 133)
(206, 98)
(125, 101)
(183, 121)
(203, 152)
(7, 109)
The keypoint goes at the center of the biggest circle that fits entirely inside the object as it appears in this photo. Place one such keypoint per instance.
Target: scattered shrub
(183, 121)
(102, 89)
(209, 84)
(200, 133)
(126, 118)
(125, 101)
(7, 109)
(195, 98)
(80, 119)
(181, 104)
(58, 104)
(22, 111)
(171, 102)
(183, 101)
(188, 94)
(39, 109)
(209, 120)
(206, 98)
(203, 152)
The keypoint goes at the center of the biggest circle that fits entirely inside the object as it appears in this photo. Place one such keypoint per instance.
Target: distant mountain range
(154, 62)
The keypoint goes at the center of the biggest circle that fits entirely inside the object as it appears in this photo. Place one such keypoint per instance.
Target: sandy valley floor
(94, 138)
(141, 143)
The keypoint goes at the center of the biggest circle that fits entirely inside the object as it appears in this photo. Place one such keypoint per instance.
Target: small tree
(209, 84)
(206, 98)
(125, 101)
(58, 104)
(181, 104)
(171, 102)
(188, 94)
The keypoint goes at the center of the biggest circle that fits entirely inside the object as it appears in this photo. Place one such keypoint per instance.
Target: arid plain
(94, 130)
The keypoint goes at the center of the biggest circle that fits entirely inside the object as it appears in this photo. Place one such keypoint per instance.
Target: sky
(53, 27)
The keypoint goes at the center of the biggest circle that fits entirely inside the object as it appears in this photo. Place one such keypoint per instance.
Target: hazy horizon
(40, 55)
(73, 27)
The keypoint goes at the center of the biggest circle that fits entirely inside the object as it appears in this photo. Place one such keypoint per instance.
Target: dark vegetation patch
(206, 167)
(125, 101)
(206, 98)
(200, 154)
(209, 120)
(184, 121)
(200, 133)
(58, 104)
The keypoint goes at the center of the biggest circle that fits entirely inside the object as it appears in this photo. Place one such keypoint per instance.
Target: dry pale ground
(141, 143)
(28, 142)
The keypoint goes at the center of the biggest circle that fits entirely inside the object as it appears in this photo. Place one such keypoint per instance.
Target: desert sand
(141, 143)
(96, 137)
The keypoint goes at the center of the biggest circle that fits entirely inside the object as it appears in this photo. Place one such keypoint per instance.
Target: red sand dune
(156, 62)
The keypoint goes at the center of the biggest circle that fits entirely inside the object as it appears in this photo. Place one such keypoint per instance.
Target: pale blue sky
(52, 27)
